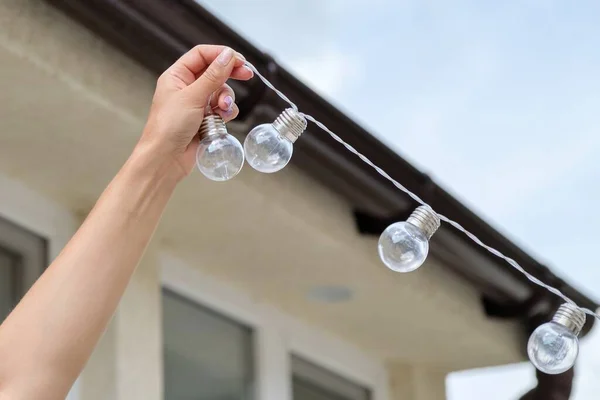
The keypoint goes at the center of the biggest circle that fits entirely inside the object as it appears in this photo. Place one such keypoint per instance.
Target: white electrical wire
(416, 198)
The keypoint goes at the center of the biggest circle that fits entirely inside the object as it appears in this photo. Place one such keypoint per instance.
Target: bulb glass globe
(267, 150)
(220, 156)
(553, 348)
(403, 247)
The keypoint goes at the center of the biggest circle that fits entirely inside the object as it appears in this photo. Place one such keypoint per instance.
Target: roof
(158, 32)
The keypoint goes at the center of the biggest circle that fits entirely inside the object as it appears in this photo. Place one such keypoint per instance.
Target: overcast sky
(497, 100)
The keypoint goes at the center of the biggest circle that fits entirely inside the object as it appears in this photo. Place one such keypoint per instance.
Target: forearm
(46, 341)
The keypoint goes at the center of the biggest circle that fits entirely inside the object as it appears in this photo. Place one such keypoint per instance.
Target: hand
(183, 92)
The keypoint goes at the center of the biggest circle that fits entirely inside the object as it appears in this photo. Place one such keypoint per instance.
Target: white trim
(27, 208)
(278, 335)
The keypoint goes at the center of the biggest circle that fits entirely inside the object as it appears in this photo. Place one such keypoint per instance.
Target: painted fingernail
(225, 56)
(228, 100)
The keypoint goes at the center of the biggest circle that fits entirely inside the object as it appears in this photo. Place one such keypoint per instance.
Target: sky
(497, 101)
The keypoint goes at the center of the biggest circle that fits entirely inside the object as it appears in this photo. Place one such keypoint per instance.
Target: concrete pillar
(415, 382)
(98, 380)
(127, 364)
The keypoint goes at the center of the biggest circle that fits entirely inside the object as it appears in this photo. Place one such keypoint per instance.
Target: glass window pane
(7, 280)
(206, 356)
(311, 382)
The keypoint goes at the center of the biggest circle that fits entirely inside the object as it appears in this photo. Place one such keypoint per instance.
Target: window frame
(322, 380)
(250, 355)
(29, 253)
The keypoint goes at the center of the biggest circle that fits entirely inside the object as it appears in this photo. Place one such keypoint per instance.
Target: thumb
(212, 79)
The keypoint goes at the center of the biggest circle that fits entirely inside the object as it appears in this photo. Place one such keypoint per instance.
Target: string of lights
(404, 245)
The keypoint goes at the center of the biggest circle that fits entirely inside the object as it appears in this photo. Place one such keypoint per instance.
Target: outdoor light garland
(403, 246)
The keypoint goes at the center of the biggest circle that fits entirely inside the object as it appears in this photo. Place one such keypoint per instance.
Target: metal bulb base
(425, 219)
(212, 125)
(571, 317)
(290, 124)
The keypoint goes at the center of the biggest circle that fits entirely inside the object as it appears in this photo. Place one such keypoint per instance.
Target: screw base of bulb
(571, 317)
(290, 124)
(425, 219)
(212, 125)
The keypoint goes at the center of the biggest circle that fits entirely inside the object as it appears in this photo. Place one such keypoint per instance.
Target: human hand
(183, 92)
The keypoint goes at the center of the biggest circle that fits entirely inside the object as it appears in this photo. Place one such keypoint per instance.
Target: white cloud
(498, 383)
(327, 70)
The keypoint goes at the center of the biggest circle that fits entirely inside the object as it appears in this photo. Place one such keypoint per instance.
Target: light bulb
(553, 346)
(403, 246)
(269, 147)
(220, 156)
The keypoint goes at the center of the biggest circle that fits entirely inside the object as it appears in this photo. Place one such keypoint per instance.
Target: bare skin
(46, 341)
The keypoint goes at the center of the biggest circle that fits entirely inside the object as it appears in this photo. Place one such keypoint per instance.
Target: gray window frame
(28, 253)
(252, 351)
(322, 381)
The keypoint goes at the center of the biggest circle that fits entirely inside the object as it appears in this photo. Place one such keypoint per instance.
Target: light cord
(416, 198)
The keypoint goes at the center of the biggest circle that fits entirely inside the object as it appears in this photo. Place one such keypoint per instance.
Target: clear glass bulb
(269, 147)
(220, 156)
(267, 150)
(553, 348)
(403, 247)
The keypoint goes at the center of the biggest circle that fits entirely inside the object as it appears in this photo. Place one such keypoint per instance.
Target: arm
(46, 341)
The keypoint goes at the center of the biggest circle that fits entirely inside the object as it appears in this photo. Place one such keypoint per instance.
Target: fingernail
(228, 102)
(225, 56)
(248, 68)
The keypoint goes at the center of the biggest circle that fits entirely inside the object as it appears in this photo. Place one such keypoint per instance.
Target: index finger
(196, 60)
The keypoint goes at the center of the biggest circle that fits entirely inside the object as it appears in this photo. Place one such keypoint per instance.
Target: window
(206, 355)
(7, 282)
(23, 258)
(310, 382)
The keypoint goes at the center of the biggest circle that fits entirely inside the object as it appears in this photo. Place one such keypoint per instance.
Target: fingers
(223, 98)
(242, 73)
(211, 80)
(223, 103)
(230, 114)
(193, 63)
